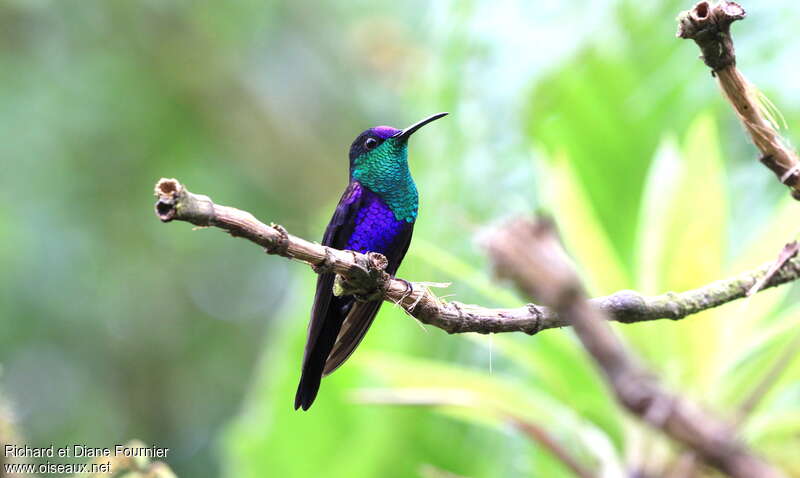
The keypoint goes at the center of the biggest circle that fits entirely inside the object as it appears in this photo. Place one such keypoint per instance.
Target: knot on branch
(538, 315)
(370, 284)
(788, 174)
(709, 26)
(281, 245)
(326, 264)
(627, 306)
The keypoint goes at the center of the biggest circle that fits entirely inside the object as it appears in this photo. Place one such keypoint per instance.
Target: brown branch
(709, 26)
(365, 276)
(543, 438)
(530, 255)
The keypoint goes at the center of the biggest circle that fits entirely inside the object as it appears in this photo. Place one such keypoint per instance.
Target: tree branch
(364, 275)
(709, 27)
(530, 255)
(545, 440)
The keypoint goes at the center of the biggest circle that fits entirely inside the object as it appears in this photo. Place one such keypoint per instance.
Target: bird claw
(341, 288)
(409, 288)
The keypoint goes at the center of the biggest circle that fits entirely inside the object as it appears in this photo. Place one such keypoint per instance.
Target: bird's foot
(409, 289)
(341, 287)
(376, 294)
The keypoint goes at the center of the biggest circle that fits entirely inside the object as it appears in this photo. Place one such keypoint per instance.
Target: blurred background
(115, 326)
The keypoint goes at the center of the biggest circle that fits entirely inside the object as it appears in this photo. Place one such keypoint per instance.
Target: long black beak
(404, 134)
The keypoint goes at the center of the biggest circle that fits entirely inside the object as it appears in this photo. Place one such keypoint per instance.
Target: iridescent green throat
(385, 171)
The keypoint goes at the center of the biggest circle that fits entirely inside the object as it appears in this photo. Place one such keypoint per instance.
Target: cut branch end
(709, 26)
(168, 192)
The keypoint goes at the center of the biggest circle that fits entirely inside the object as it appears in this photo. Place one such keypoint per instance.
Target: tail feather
(352, 332)
(317, 354)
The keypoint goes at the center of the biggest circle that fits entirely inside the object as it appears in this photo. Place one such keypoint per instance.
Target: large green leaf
(580, 228)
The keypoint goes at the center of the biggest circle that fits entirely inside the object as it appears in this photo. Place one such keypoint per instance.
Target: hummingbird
(376, 213)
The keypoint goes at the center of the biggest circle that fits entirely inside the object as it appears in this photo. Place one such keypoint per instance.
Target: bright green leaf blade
(580, 229)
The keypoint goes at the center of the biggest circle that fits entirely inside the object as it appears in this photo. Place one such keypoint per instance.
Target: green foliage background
(116, 326)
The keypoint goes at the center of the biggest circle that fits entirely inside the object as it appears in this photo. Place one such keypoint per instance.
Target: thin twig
(768, 380)
(543, 438)
(433, 397)
(789, 251)
(364, 273)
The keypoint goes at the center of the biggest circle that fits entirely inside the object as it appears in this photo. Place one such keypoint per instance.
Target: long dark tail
(318, 348)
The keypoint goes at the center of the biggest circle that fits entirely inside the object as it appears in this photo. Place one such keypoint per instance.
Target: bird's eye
(370, 143)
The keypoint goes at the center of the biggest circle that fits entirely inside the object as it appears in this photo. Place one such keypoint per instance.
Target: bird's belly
(376, 229)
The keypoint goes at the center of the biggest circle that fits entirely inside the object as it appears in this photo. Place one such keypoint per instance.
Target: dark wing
(328, 312)
(363, 313)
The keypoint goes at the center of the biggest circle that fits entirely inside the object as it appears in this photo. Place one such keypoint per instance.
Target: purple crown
(385, 131)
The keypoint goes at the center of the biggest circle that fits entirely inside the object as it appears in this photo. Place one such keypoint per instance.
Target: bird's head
(382, 152)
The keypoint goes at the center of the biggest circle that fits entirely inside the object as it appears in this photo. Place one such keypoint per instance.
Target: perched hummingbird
(375, 214)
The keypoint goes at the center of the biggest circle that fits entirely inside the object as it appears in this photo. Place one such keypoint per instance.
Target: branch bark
(530, 255)
(709, 26)
(364, 275)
